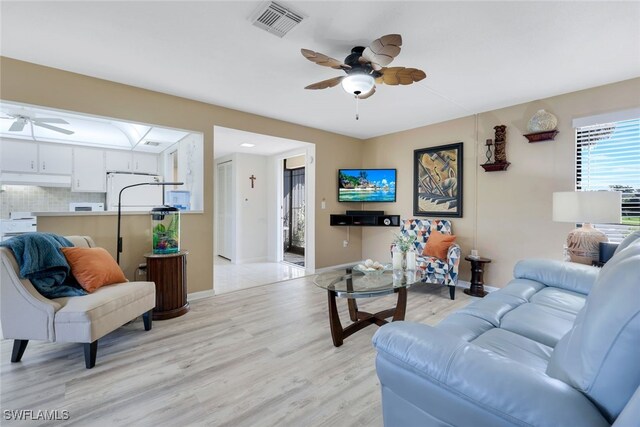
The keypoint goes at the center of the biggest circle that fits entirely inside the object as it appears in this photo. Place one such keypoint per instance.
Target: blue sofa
(558, 346)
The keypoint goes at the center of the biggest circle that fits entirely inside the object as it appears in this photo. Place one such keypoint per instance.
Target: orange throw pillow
(438, 244)
(93, 267)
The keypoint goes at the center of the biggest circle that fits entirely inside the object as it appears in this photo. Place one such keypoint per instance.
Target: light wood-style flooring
(256, 357)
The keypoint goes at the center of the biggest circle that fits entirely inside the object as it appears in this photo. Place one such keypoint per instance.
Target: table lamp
(586, 207)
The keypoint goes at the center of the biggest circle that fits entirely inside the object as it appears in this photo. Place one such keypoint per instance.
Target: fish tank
(165, 225)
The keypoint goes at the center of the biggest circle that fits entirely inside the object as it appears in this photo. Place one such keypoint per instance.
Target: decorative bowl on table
(370, 267)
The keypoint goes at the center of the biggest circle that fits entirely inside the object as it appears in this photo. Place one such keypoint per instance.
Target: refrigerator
(141, 198)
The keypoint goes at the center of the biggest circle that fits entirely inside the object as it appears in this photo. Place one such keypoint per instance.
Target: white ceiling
(228, 141)
(478, 55)
(87, 130)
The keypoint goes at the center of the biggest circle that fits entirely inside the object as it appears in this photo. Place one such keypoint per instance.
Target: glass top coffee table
(352, 284)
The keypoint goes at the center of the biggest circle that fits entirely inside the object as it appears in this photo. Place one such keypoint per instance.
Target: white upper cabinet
(19, 156)
(89, 170)
(128, 161)
(119, 161)
(54, 159)
(145, 163)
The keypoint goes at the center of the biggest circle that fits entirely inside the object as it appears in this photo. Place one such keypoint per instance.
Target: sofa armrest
(559, 274)
(456, 383)
(26, 314)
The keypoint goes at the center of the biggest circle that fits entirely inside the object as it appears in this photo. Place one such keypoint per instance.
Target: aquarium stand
(169, 273)
(365, 219)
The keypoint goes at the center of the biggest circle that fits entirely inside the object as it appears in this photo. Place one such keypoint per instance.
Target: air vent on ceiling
(151, 143)
(276, 19)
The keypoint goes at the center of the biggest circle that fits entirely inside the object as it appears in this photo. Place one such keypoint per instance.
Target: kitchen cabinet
(118, 161)
(145, 163)
(54, 159)
(19, 156)
(127, 161)
(89, 170)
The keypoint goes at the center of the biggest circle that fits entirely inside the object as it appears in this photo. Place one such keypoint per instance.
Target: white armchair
(27, 315)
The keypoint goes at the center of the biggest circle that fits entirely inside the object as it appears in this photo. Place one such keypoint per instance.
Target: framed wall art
(437, 181)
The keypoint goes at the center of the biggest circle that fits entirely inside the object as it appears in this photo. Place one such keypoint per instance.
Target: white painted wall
(251, 208)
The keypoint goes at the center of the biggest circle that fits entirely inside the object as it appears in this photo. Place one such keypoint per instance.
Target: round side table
(477, 271)
(169, 272)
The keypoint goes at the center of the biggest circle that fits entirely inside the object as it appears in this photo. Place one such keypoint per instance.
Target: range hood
(40, 180)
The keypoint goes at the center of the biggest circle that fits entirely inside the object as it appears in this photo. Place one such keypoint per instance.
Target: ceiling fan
(366, 67)
(21, 121)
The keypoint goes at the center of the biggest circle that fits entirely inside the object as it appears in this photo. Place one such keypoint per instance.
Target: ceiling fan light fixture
(357, 84)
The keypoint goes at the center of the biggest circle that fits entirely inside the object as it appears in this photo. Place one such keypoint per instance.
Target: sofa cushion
(571, 302)
(438, 244)
(491, 309)
(93, 267)
(566, 275)
(464, 326)
(87, 318)
(515, 347)
(600, 355)
(538, 322)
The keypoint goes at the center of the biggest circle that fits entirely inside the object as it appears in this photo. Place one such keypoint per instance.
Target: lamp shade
(587, 206)
(358, 83)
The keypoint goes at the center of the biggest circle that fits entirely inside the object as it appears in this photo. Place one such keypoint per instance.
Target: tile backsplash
(29, 198)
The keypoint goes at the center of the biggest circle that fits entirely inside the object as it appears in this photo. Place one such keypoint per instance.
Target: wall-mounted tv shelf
(365, 220)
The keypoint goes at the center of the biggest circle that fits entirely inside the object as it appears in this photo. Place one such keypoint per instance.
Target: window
(608, 158)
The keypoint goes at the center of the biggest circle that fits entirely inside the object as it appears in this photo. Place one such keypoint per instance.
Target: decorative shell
(542, 121)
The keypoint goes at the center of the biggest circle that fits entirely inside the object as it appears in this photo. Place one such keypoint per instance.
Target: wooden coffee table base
(362, 319)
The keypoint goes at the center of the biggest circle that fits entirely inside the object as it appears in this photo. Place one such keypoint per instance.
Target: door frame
(309, 151)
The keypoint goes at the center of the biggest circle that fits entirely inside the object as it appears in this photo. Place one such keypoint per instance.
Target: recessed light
(246, 144)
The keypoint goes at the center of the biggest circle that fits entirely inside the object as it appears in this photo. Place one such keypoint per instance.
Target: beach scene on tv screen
(367, 185)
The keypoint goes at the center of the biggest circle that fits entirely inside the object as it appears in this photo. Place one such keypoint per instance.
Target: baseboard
(199, 295)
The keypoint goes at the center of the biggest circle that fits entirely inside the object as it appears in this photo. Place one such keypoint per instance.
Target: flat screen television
(366, 185)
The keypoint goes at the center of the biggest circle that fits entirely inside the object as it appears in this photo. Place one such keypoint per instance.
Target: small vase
(542, 121)
(397, 259)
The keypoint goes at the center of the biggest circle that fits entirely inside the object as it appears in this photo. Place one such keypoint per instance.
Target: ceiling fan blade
(394, 76)
(18, 125)
(326, 83)
(368, 94)
(54, 128)
(50, 120)
(382, 51)
(324, 60)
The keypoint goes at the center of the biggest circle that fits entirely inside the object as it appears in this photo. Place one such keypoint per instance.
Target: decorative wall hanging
(500, 162)
(542, 127)
(437, 181)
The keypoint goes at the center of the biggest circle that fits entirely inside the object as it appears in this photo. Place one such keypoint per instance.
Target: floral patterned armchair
(443, 271)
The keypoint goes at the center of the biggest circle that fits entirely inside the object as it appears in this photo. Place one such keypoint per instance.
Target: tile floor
(228, 277)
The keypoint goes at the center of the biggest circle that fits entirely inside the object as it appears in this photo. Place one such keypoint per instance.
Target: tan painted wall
(512, 215)
(513, 219)
(49, 87)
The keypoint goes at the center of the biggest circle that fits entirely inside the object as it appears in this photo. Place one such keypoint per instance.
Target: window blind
(608, 158)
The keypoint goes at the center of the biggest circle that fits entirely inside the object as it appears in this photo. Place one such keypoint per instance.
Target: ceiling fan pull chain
(357, 107)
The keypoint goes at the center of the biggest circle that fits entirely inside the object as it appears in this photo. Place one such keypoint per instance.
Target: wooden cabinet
(19, 156)
(55, 159)
(118, 161)
(89, 170)
(169, 273)
(145, 163)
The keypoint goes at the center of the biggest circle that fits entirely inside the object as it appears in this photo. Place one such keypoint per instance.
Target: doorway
(293, 210)
(225, 210)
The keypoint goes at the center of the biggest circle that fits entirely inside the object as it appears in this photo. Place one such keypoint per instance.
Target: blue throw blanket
(43, 263)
